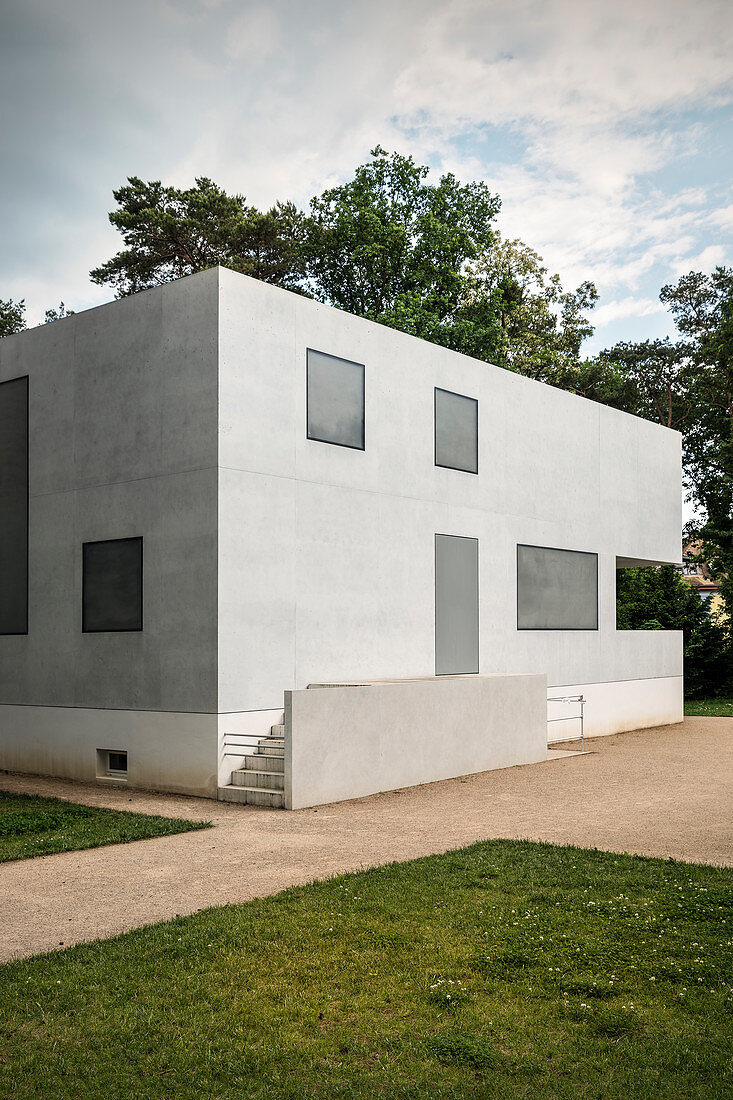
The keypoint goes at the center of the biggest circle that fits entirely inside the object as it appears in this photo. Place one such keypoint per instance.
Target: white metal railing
(580, 700)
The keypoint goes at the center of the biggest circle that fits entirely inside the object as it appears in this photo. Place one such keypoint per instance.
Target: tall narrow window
(556, 589)
(456, 605)
(14, 506)
(335, 399)
(456, 431)
(112, 585)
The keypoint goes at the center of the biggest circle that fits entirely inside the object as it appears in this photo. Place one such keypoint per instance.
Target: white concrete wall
(123, 442)
(326, 554)
(123, 413)
(618, 706)
(346, 742)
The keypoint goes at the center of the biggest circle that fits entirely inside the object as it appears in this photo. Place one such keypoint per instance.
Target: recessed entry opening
(112, 764)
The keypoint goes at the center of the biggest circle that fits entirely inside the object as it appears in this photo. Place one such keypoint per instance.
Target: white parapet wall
(349, 740)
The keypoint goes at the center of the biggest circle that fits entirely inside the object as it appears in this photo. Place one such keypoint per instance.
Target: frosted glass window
(556, 589)
(14, 506)
(335, 400)
(456, 431)
(456, 605)
(112, 585)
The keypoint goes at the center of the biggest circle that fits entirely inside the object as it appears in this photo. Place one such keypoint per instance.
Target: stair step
(265, 762)
(278, 730)
(249, 777)
(270, 746)
(253, 796)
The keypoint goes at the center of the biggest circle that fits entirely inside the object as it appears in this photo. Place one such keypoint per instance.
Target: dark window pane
(456, 431)
(14, 506)
(335, 400)
(112, 585)
(556, 589)
(456, 605)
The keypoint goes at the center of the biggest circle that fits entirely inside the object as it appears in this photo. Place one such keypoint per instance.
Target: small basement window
(111, 764)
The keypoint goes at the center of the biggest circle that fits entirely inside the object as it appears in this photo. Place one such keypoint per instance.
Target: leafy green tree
(57, 314)
(702, 306)
(659, 599)
(541, 326)
(661, 376)
(169, 233)
(12, 316)
(392, 247)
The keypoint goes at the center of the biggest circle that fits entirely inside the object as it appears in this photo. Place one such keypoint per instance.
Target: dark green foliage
(390, 246)
(34, 826)
(297, 996)
(689, 386)
(659, 599)
(12, 317)
(54, 314)
(540, 326)
(170, 232)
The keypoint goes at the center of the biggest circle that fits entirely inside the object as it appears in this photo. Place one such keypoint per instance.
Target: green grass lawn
(35, 826)
(709, 708)
(506, 970)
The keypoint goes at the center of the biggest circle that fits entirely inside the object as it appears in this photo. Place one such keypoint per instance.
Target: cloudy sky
(605, 128)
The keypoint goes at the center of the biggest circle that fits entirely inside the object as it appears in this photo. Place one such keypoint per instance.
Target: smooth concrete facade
(272, 561)
(351, 740)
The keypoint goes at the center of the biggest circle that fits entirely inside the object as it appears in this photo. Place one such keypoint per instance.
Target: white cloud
(575, 111)
(626, 307)
(254, 36)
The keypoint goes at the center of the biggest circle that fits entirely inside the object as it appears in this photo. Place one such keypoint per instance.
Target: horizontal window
(556, 589)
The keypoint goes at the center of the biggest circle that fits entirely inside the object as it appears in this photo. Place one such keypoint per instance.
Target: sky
(605, 128)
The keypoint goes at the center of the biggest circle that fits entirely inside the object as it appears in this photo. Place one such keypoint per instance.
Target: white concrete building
(216, 492)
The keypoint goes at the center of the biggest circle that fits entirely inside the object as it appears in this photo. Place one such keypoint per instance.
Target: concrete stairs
(261, 782)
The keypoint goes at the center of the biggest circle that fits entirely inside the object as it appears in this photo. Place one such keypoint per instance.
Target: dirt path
(660, 792)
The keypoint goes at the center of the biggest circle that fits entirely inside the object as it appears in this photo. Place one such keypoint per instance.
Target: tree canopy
(391, 246)
(688, 385)
(12, 316)
(659, 599)
(541, 326)
(170, 232)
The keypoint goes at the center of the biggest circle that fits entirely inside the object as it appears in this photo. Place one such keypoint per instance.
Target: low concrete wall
(346, 741)
(618, 706)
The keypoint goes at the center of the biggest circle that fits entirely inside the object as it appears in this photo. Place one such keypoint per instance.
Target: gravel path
(659, 792)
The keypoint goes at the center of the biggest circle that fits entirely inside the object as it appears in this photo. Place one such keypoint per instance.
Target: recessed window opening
(112, 585)
(14, 506)
(456, 431)
(335, 400)
(117, 762)
(556, 589)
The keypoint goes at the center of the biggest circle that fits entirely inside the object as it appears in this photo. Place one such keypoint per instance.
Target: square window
(335, 399)
(456, 431)
(117, 763)
(556, 589)
(112, 585)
